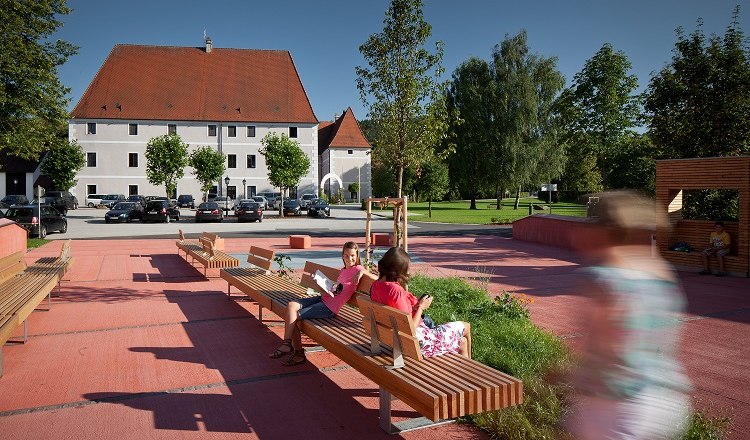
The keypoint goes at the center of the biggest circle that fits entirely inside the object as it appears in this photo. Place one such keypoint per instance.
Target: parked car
(208, 212)
(186, 201)
(319, 208)
(273, 202)
(262, 200)
(124, 212)
(94, 200)
(111, 200)
(71, 202)
(292, 206)
(14, 199)
(226, 203)
(250, 211)
(27, 216)
(137, 198)
(55, 202)
(158, 210)
(2, 213)
(307, 199)
(238, 202)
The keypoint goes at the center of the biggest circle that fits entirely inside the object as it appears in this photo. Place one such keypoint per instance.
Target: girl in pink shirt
(320, 307)
(390, 289)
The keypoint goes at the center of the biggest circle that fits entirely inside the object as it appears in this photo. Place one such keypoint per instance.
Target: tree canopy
(62, 163)
(208, 166)
(166, 159)
(32, 100)
(403, 82)
(286, 162)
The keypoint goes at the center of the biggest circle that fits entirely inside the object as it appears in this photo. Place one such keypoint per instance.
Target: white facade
(352, 165)
(120, 161)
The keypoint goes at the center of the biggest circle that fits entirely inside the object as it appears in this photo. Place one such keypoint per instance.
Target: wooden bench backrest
(331, 273)
(65, 251)
(696, 233)
(182, 234)
(210, 236)
(390, 323)
(261, 257)
(208, 246)
(11, 265)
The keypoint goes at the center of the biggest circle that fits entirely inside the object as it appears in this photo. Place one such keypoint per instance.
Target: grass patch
(486, 213)
(504, 338)
(32, 243)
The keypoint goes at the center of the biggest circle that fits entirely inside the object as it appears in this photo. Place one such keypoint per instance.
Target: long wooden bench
(696, 233)
(261, 262)
(206, 252)
(23, 288)
(440, 388)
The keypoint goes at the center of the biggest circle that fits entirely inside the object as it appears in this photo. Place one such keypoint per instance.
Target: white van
(94, 200)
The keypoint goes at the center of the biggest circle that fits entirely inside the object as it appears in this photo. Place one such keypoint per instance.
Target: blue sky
(324, 37)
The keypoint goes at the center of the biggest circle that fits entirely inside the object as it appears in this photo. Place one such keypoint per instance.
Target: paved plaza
(139, 344)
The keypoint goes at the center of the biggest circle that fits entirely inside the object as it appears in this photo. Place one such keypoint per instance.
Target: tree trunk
(429, 208)
(473, 204)
(518, 198)
(499, 197)
(281, 203)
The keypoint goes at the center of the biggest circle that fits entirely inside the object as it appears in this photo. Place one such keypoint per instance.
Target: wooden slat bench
(23, 288)
(696, 233)
(440, 388)
(261, 261)
(205, 251)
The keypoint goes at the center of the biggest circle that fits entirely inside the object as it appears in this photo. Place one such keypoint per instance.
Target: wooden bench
(23, 288)
(695, 233)
(440, 388)
(206, 252)
(261, 262)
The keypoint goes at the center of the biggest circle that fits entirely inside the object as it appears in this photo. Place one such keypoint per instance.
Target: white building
(345, 152)
(228, 99)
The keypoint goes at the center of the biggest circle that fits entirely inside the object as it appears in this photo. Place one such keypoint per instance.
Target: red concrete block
(299, 241)
(381, 239)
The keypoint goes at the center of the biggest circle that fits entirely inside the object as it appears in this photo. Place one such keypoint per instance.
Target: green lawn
(486, 213)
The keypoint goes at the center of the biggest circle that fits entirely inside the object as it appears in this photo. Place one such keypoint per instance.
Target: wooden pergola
(673, 176)
(400, 238)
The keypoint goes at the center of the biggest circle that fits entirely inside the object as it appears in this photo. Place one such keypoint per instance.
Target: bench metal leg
(1, 362)
(260, 313)
(25, 336)
(387, 424)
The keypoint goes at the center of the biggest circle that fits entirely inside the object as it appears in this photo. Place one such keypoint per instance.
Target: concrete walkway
(140, 345)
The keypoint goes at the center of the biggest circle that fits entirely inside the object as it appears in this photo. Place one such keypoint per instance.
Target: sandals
(295, 358)
(280, 353)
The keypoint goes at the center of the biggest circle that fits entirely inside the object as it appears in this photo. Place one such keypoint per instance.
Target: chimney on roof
(209, 45)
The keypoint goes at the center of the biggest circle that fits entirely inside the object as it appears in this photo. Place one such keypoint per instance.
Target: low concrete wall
(12, 238)
(556, 230)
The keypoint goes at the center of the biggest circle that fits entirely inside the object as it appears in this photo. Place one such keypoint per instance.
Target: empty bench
(23, 288)
(206, 252)
(440, 388)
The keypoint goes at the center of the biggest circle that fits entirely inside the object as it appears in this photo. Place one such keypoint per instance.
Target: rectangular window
(231, 161)
(133, 129)
(212, 130)
(133, 160)
(251, 131)
(91, 160)
(251, 191)
(232, 192)
(349, 151)
(91, 128)
(90, 189)
(132, 190)
(232, 131)
(171, 128)
(251, 161)
(292, 132)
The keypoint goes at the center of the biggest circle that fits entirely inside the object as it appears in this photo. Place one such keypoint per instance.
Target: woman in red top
(390, 289)
(324, 306)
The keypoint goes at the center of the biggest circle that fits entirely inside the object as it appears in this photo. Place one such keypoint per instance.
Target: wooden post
(367, 230)
(396, 241)
(405, 224)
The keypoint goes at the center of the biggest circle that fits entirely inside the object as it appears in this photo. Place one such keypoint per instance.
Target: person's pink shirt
(347, 277)
(392, 294)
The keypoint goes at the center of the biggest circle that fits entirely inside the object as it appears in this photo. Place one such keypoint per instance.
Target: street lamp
(244, 188)
(226, 200)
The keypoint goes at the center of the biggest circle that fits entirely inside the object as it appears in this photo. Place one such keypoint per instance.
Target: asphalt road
(345, 221)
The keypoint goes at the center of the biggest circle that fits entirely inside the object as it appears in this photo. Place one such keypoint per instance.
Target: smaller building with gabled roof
(344, 152)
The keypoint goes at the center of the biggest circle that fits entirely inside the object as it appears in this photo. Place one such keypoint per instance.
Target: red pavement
(140, 345)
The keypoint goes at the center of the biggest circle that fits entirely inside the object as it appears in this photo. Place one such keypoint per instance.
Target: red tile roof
(343, 133)
(189, 84)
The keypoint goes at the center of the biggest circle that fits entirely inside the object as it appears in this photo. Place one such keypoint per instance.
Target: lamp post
(244, 188)
(226, 199)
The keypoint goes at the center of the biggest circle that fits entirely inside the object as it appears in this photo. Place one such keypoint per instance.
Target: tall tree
(166, 159)
(598, 114)
(699, 104)
(432, 182)
(208, 167)
(32, 99)
(62, 163)
(526, 150)
(471, 95)
(286, 162)
(408, 106)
